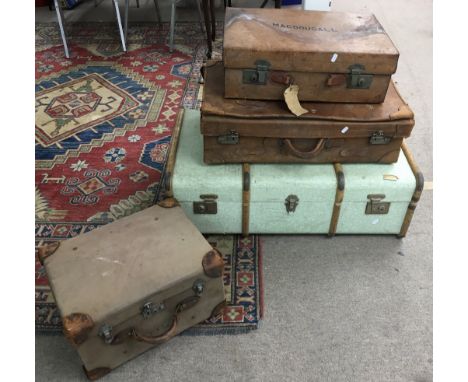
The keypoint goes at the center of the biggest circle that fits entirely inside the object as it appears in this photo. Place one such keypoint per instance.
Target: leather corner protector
(76, 327)
(168, 203)
(404, 112)
(96, 373)
(218, 309)
(213, 264)
(45, 251)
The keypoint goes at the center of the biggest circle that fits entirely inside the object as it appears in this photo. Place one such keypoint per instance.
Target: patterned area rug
(104, 121)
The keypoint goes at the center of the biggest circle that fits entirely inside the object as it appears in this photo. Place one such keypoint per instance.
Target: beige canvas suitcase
(132, 284)
(331, 56)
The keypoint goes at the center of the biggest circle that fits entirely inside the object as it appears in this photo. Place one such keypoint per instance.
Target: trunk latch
(229, 139)
(357, 79)
(257, 76)
(375, 206)
(208, 205)
(378, 138)
(291, 203)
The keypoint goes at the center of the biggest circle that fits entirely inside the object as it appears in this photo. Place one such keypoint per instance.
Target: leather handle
(185, 304)
(154, 340)
(305, 154)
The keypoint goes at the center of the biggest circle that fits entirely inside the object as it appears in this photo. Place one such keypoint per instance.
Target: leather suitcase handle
(187, 303)
(154, 340)
(305, 154)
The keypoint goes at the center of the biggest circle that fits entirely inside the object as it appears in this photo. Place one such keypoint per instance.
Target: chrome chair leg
(172, 26)
(58, 10)
(119, 22)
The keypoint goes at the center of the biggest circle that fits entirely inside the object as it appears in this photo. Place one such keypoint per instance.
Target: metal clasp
(150, 308)
(291, 203)
(378, 138)
(229, 139)
(375, 206)
(257, 76)
(198, 287)
(356, 79)
(105, 331)
(208, 205)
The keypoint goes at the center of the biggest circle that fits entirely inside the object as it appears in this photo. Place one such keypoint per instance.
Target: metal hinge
(291, 203)
(208, 206)
(229, 139)
(378, 138)
(375, 206)
(257, 76)
(356, 79)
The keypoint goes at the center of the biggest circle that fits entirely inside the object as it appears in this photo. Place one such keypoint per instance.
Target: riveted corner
(97, 373)
(45, 251)
(168, 203)
(213, 264)
(76, 327)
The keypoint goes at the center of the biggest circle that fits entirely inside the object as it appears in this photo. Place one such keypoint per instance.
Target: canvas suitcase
(331, 56)
(290, 198)
(237, 131)
(132, 284)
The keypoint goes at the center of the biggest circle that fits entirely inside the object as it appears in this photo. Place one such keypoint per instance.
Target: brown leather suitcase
(331, 56)
(238, 131)
(132, 284)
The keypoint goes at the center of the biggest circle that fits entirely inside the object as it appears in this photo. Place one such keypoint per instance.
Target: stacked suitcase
(302, 130)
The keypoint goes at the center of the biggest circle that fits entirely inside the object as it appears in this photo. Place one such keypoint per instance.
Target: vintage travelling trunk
(133, 284)
(290, 198)
(237, 131)
(331, 56)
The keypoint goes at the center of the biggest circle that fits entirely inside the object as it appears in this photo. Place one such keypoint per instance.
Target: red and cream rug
(104, 121)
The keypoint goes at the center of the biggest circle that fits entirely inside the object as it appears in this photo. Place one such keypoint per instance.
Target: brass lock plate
(257, 76)
(357, 79)
(379, 138)
(291, 203)
(375, 205)
(207, 206)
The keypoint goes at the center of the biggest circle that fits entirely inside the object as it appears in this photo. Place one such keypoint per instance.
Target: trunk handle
(305, 154)
(187, 303)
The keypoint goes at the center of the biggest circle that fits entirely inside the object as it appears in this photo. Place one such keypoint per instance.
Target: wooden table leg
(206, 15)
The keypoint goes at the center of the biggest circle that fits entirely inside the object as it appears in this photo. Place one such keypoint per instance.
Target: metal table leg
(200, 15)
(58, 10)
(213, 20)
(119, 22)
(172, 25)
(158, 13)
(126, 20)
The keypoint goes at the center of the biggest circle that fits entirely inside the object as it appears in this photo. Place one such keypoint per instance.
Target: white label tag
(292, 101)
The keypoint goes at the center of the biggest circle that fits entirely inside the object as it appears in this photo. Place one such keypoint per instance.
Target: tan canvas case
(132, 284)
(331, 56)
(238, 131)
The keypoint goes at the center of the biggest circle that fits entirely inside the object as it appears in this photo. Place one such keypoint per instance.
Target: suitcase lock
(356, 79)
(229, 139)
(379, 138)
(257, 76)
(208, 205)
(105, 331)
(375, 206)
(291, 203)
(150, 308)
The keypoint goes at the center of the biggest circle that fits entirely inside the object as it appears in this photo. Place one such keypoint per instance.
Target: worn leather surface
(153, 256)
(262, 127)
(297, 40)
(275, 114)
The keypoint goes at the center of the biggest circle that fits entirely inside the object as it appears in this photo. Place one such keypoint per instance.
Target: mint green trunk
(270, 184)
